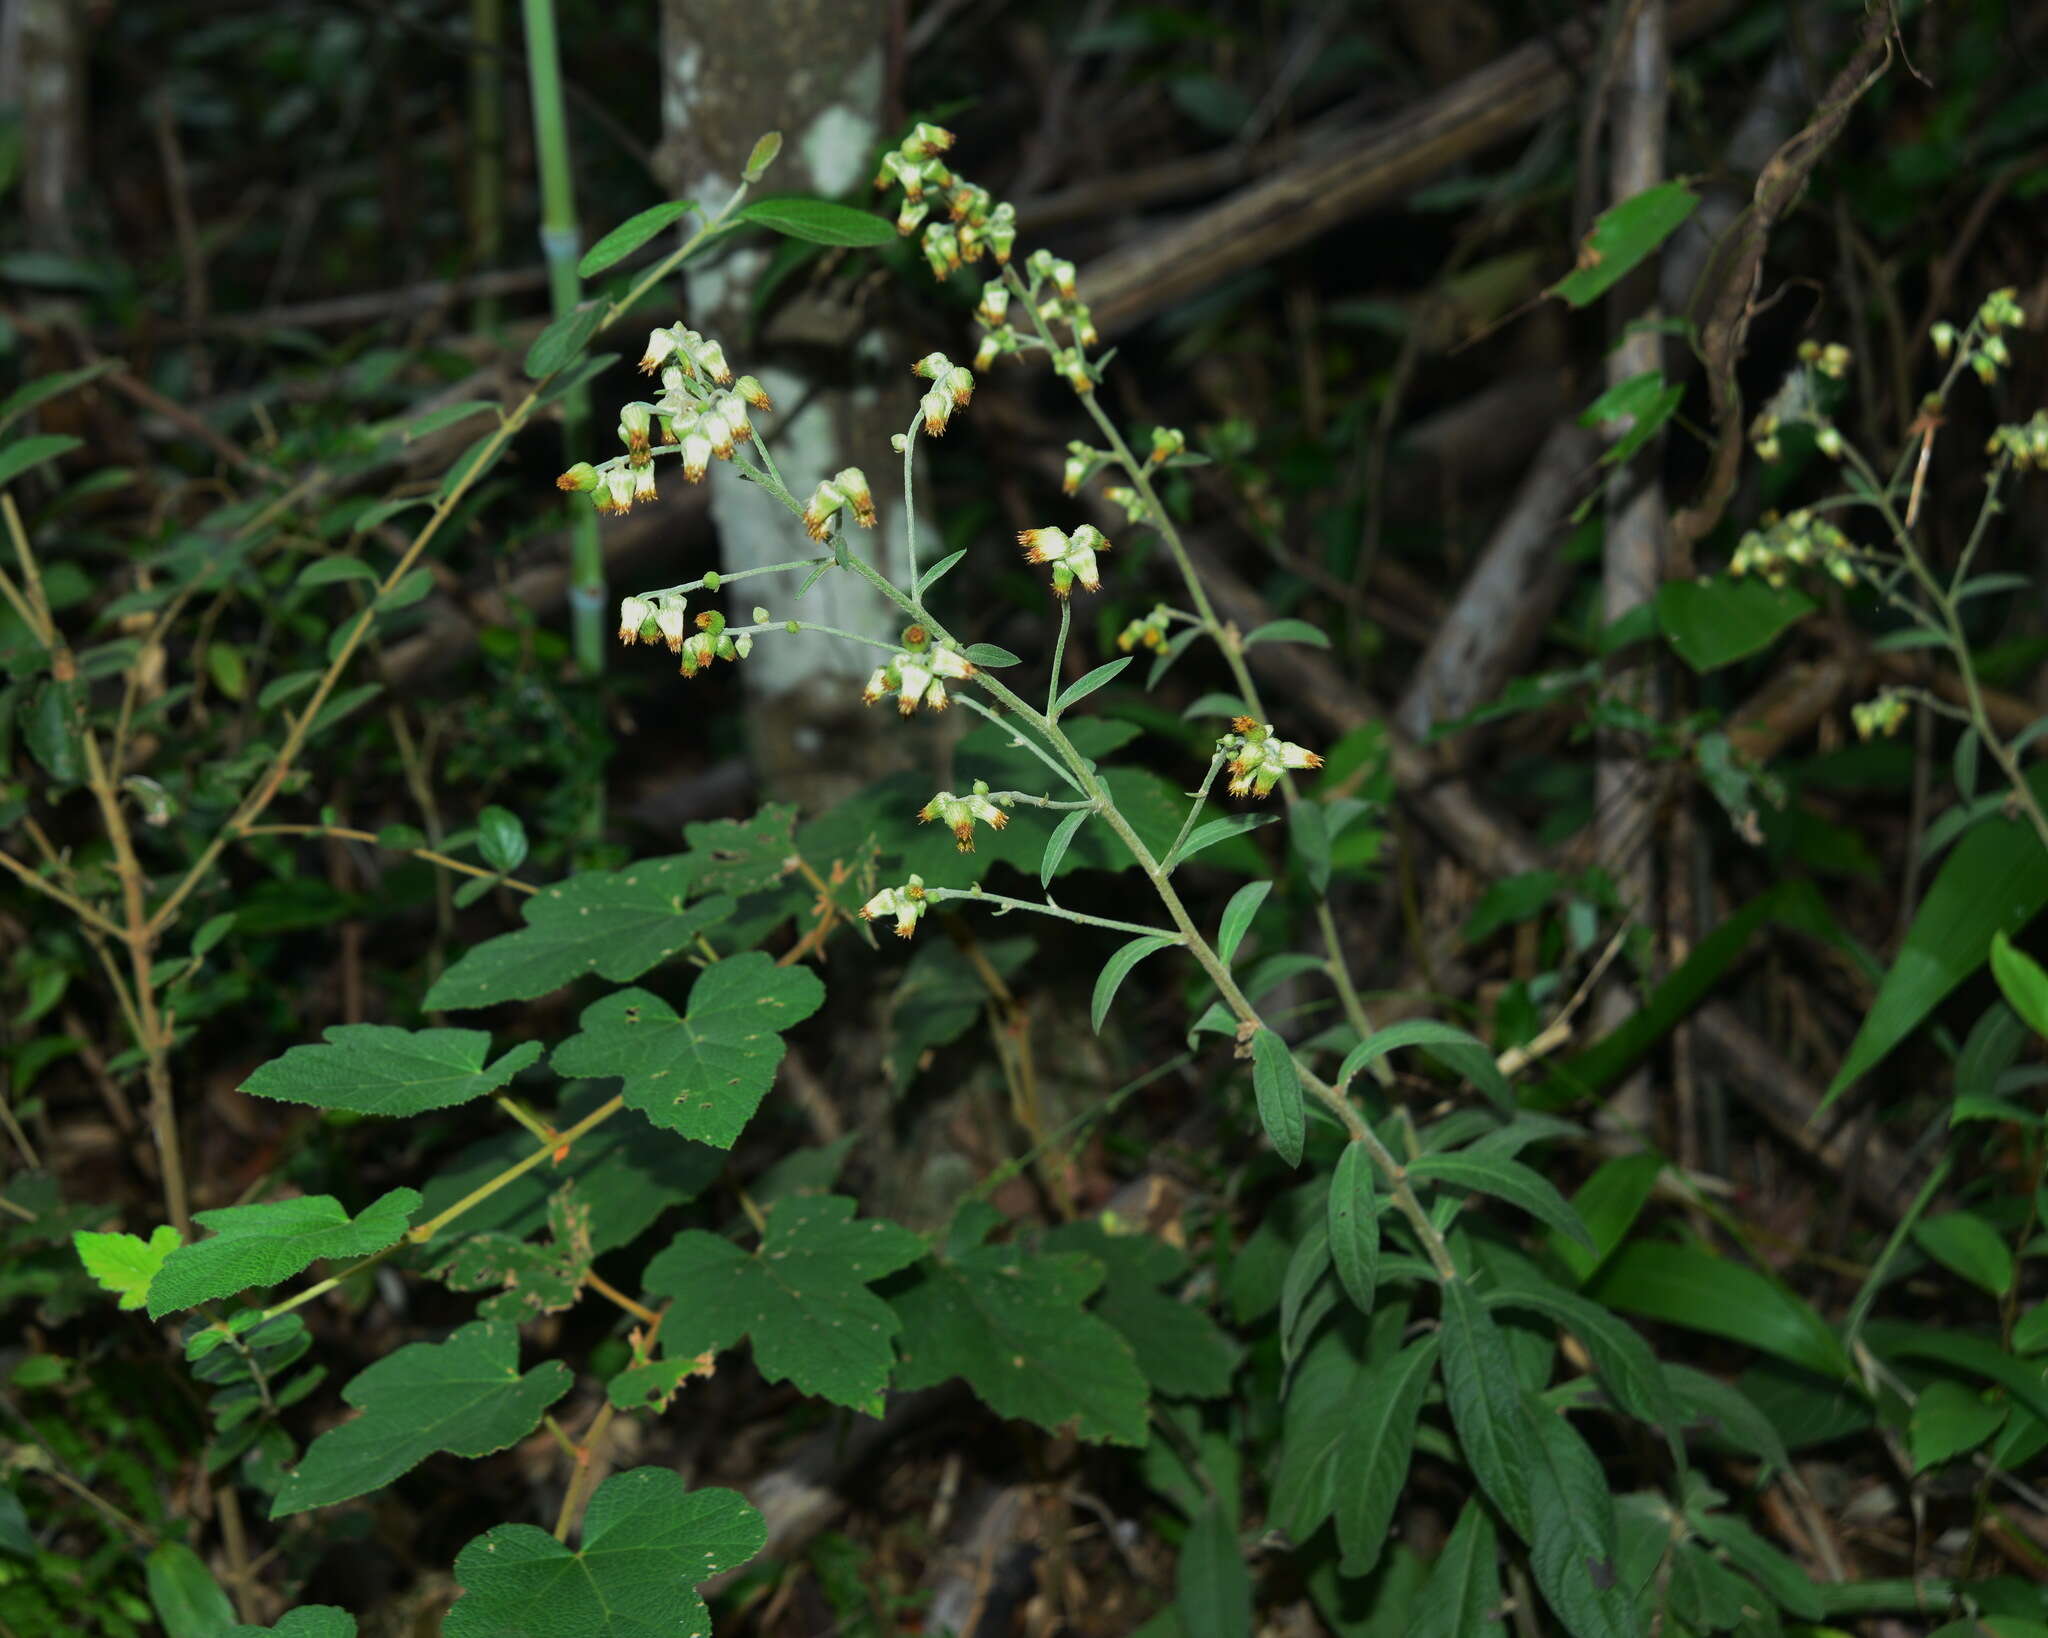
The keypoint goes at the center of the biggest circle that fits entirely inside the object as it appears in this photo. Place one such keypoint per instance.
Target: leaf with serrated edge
(1277, 1086)
(648, 1540)
(803, 1297)
(1014, 1327)
(1355, 1226)
(374, 1069)
(1373, 1457)
(125, 1263)
(1507, 1180)
(263, 1244)
(1572, 1544)
(610, 924)
(464, 1396)
(1463, 1590)
(307, 1621)
(705, 1073)
(1485, 1401)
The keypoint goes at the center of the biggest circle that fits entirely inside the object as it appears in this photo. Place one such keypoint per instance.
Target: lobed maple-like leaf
(263, 1244)
(1183, 1353)
(125, 1263)
(464, 1396)
(612, 924)
(374, 1069)
(647, 1542)
(803, 1297)
(705, 1073)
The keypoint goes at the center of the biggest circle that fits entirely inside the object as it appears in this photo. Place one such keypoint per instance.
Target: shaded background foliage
(287, 233)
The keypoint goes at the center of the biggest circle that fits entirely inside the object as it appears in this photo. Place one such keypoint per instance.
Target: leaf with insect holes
(802, 1296)
(648, 1540)
(705, 1073)
(263, 1244)
(374, 1069)
(465, 1396)
(611, 924)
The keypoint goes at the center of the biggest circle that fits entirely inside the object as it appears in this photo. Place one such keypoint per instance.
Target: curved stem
(939, 895)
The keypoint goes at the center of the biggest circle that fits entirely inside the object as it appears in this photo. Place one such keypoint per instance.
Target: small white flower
(633, 614)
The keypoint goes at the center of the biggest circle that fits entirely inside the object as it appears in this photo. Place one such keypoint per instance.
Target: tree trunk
(42, 82)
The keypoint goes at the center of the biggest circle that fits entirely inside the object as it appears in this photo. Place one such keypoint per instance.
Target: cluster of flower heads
(1882, 716)
(2025, 443)
(1985, 350)
(1258, 757)
(959, 813)
(846, 488)
(697, 410)
(1149, 632)
(919, 672)
(905, 903)
(952, 386)
(1797, 401)
(1071, 556)
(1797, 540)
(661, 618)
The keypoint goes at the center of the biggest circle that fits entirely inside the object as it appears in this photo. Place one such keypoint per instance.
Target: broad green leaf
(1277, 1085)
(1305, 1298)
(1624, 1360)
(1013, 1325)
(374, 1069)
(227, 668)
(563, 341)
(1572, 1548)
(1644, 401)
(1459, 1052)
(307, 1621)
(2025, 1379)
(1355, 1226)
(17, 457)
(1372, 1461)
(607, 924)
(1287, 631)
(1462, 1596)
(1608, 1203)
(1712, 623)
(1117, 968)
(1995, 881)
(187, 1600)
(1948, 1419)
(1322, 1387)
(1622, 237)
(41, 390)
(803, 1297)
(1963, 1243)
(2025, 985)
(647, 1541)
(531, 1278)
(264, 1244)
(630, 235)
(705, 1073)
(1211, 831)
(742, 856)
(819, 220)
(1486, 1403)
(1082, 687)
(1182, 1352)
(992, 656)
(1237, 917)
(766, 147)
(501, 839)
(464, 1396)
(1507, 1180)
(1212, 1587)
(123, 1263)
(1685, 1286)
(1700, 1594)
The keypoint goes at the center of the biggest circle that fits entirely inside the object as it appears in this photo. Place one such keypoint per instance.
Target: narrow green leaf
(630, 235)
(1237, 917)
(1462, 1596)
(17, 457)
(225, 665)
(1056, 845)
(1210, 832)
(1355, 1226)
(1082, 687)
(1212, 1587)
(936, 573)
(2023, 982)
(1965, 1244)
(1486, 1404)
(1608, 1203)
(563, 341)
(1777, 1574)
(1572, 1548)
(1713, 1406)
(766, 147)
(187, 1600)
(821, 221)
(1461, 1053)
(1308, 830)
(40, 391)
(1287, 631)
(1683, 1285)
(1508, 1180)
(1626, 1365)
(1277, 1085)
(1373, 1459)
(991, 656)
(1622, 237)
(1117, 969)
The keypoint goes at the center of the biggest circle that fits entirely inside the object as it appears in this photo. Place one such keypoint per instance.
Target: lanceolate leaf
(1623, 1359)
(261, 1245)
(1486, 1403)
(1082, 687)
(803, 1297)
(1014, 1327)
(1509, 1180)
(1372, 1462)
(1056, 845)
(1622, 237)
(703, 1074)
(373, 1069)
(1457, 1051)
(1355, 1226)
(629, 236)
(647, 1542)
(187, 1599)
(1685, 1286)
(1463, 1590)
(605, 924)
(819, 220)
(464, 1396)
(1237, 917)
(1182, 1352)
(1212, 1586)
(1117, 968)
(1572, 1549)
(1277, 1085)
